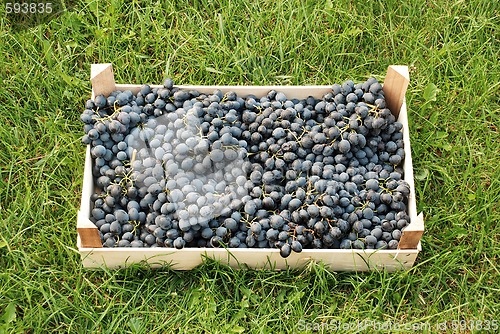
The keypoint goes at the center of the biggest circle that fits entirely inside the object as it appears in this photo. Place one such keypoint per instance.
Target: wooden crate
(93, 255)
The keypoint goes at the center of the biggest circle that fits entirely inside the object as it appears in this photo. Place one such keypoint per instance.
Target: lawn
(455, 136)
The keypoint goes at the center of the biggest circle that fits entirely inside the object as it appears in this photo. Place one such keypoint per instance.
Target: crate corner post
(395, 85)
(87, 232)
(102, 79)
(412, 234)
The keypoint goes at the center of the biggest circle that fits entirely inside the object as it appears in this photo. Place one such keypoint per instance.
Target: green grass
(455, 146)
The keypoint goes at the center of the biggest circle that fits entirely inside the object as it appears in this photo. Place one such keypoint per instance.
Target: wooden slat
(408, 163)
(87, 231)
(395, 85)
(88, 181)
(189, 258)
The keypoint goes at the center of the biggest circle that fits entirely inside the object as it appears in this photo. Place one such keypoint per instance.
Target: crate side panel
(408, 163)
(88, 183)
(187, 259)
(87, 231)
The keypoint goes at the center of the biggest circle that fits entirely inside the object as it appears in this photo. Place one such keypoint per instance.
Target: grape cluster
(177, 168)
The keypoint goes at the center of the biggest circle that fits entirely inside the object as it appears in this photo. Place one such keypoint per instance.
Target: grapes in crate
(178, 168)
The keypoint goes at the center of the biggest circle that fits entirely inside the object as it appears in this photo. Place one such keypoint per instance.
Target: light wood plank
(189, 258)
